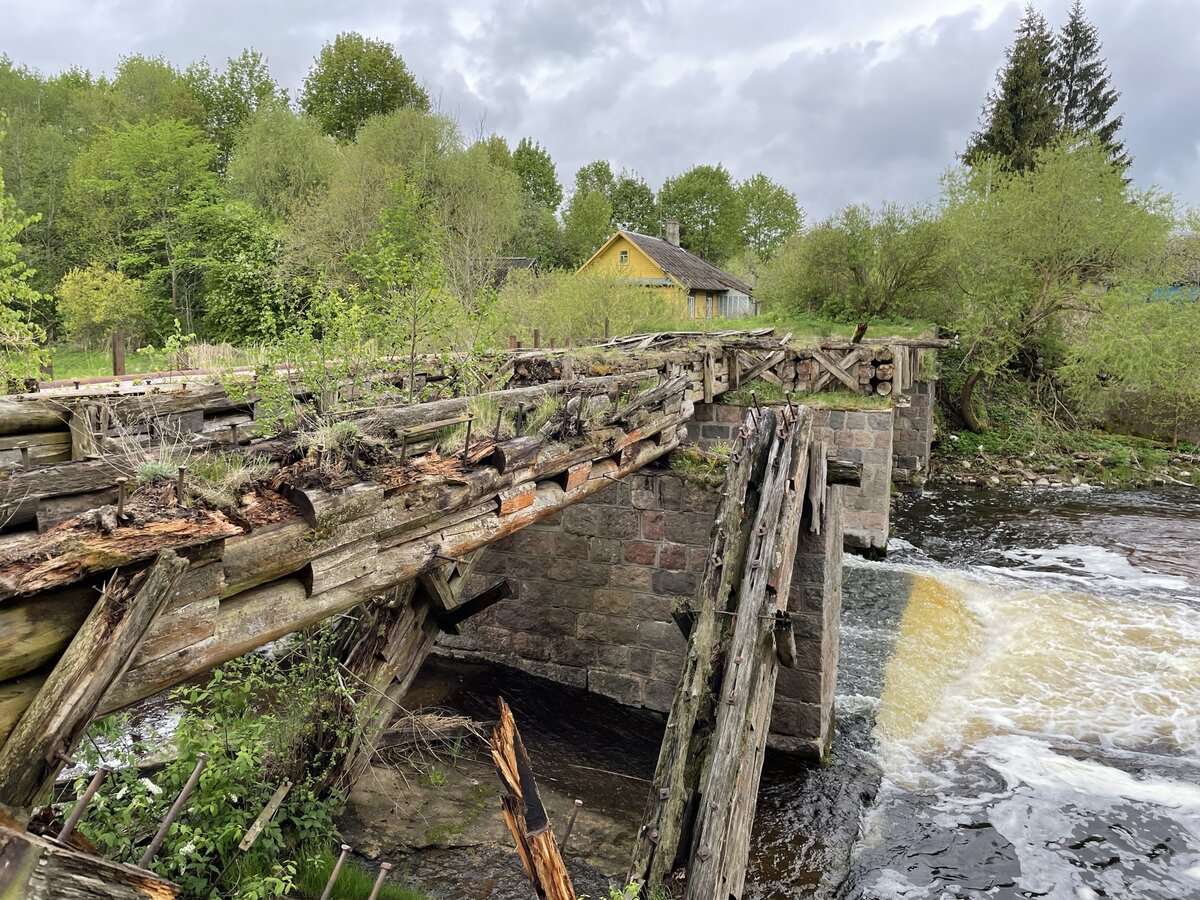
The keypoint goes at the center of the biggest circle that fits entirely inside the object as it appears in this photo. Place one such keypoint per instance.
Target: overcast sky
(857, 100)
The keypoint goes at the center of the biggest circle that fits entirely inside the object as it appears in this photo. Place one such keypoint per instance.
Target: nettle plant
(260, 720)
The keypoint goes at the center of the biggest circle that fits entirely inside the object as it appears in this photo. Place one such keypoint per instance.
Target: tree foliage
(96, 301)
(229, 98)
(1085, 94)
(772, 215)
(539, 180)
(710, 211)
(862, 264)
(280, 160)
(634, 205)
(1021, 116)
(586, 224)
(355, 78)
(20, 355)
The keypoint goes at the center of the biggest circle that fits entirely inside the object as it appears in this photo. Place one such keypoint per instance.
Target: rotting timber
(701, 805)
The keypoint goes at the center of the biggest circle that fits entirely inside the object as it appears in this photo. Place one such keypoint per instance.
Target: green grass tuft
(354, 882)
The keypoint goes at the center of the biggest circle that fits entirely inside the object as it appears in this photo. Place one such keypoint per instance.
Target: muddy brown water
(1018, 715)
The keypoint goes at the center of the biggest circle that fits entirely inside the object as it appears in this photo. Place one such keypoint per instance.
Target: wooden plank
(99, 653)
(837, 370)
(449, 622)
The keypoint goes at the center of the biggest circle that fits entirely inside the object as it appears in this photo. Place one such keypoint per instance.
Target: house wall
(607, 262)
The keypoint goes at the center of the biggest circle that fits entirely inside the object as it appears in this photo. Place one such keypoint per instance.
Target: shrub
(95, 302)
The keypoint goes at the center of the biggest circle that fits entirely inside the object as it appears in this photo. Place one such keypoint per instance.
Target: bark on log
(35, 868)
(100, 652)
(513, 454)
(721, 841)
(664, 838)
(525, 815)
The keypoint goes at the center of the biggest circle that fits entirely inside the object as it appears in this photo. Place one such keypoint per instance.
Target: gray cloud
(860, 101)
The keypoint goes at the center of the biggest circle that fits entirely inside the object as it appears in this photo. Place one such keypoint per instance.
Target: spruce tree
(1085, 94)
(1021, 116)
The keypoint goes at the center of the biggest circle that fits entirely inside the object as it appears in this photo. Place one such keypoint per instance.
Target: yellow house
(661, 264)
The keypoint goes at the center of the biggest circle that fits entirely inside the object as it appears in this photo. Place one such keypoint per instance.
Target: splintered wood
(525, 814)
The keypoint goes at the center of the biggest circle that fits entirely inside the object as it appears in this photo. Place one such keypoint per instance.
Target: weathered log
(883, 388)
(35, 868)
(52, 511)
(450, 621)
(15, 697)
(885, 371)
(841, 471)
(525, 815)
(512, 454)
(883, 354)
(99, 653)
(721, 839)
(20, 415)
(663, 841)
(35, 630)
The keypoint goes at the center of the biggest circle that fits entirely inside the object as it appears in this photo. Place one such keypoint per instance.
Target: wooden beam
(99, 653)
(450, 621)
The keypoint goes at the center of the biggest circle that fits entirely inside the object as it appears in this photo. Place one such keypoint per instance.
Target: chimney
(671, 232)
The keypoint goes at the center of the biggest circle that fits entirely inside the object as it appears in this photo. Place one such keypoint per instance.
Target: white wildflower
(152, 787)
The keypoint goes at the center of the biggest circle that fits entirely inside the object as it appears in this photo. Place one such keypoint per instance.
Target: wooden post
(98, 655)
(525, 815)
(606, 331)
(512, 342)
(118, 352)
(721, 841)
(537, 338)
(664, 839)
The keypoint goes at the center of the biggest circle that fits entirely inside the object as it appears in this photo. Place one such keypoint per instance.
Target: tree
(595, 176)
(772, 215)
(280, 160)
(586, 224)
(150, 89)
(1032, 246)
(862, 264)
(539, 180)
(231, 97)
(96, 301)
(1084, 92)
(20, 355)
(133, 194)
(634, 205)
(1142, 352)
(711, 215)
(355, 78)
(1021, 116)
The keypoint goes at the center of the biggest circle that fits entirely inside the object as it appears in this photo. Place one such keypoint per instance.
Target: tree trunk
(966, 408)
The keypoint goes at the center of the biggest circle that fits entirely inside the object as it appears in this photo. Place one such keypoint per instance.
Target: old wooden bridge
(121, 576)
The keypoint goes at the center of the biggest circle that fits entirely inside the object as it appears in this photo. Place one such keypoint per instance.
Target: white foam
(1093, 565)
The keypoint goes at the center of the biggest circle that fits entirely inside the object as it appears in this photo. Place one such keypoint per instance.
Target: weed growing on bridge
(702, 466)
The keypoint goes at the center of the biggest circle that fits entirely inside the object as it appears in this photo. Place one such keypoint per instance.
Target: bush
(260, 721)
(94, 302)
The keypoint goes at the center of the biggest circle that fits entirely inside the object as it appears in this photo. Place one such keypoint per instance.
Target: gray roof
(687, 268)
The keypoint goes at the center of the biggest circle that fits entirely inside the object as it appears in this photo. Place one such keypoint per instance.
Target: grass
(353, 883)
(73, 362)
(700, 466)
(218, 479)
(769, 394)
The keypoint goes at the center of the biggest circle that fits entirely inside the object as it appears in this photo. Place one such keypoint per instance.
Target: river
(1019, 708)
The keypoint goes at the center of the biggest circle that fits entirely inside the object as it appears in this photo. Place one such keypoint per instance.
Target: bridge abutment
(595, 587)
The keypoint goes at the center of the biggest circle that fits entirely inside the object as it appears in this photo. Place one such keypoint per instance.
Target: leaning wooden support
(664, 838)
(525, 814)
(98, 655)
(721, 840)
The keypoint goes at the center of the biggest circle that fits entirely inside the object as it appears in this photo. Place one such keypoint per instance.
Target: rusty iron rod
(81, 804)
(384, 868)
(121, 483)
(467, 439)
(180, 481)
(176, 808)
(337, 867)
(570, 825)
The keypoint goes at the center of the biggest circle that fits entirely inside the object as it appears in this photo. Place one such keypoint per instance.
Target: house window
(691, 306)
(708, 310)
(624, 257)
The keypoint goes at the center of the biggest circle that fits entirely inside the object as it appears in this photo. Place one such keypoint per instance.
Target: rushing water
(1032, 699)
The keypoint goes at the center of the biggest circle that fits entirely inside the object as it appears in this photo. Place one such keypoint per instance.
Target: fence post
(606, 328)
(512, 342)
(118, 352)
(537, 339)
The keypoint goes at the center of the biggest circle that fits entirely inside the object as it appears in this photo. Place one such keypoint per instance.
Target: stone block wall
(913, 433)
(863, 436)
(595, 587)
